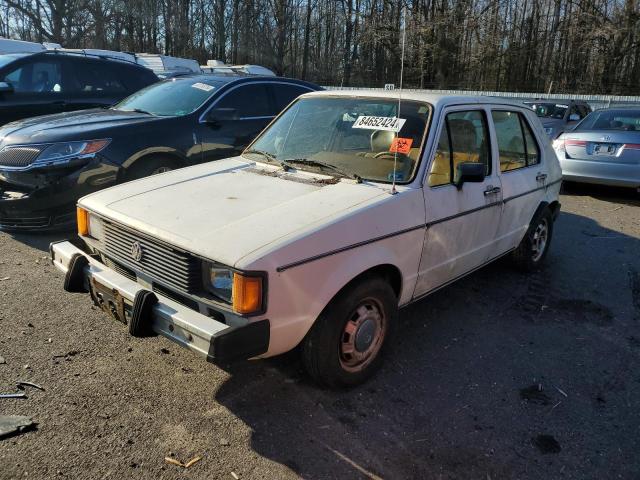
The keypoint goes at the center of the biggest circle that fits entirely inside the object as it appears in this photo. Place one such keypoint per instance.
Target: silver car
(604, 148)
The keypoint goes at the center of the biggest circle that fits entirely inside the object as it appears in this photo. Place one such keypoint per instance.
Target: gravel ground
(459, 396)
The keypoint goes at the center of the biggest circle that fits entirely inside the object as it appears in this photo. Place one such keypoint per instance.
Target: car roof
(437, 100)
(222, 79)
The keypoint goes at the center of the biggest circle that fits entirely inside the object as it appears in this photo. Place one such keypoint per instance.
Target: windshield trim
(423, 143)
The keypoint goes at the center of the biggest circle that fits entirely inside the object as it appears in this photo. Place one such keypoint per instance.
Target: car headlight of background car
(243, 291)
(60, 153)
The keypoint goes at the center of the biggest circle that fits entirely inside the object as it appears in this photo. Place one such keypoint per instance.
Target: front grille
(121, 269)
(19, 156)
(176, 297)
(163, 263)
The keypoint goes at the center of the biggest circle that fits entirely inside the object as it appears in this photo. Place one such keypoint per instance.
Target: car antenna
(395, 154)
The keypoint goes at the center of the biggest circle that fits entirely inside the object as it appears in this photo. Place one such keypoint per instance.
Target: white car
(349, 206)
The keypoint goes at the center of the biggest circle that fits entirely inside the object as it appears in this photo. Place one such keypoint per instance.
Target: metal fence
(596, 101)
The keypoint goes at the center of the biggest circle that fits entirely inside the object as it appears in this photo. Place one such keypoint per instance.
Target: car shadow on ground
(626, 196)
(500, 375)
(42, 240)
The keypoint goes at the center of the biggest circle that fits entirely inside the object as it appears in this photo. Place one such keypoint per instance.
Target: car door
(93, 83)
(235, 119)
(38, 89)
(284, 93)
(461, 222)
(522, 176)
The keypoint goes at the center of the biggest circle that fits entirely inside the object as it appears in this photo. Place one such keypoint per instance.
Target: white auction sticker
(203, 86)
(391, 124)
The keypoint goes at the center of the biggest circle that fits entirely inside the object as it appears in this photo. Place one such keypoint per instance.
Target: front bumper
(209, 338)
(610, 173)
(45, 199)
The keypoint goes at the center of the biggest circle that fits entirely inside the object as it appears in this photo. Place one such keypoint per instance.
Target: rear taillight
(575, 143)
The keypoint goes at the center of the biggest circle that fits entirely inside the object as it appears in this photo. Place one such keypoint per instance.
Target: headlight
(63, 152)
(243, 292)
(221, 283)
(548, 130)
(96, 227)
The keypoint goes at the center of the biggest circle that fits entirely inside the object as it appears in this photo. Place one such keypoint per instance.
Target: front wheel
(534, 246)
(346, 344)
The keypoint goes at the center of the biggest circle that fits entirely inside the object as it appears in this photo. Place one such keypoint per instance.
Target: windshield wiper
(316, 163)
(139, 110)
(269, 156)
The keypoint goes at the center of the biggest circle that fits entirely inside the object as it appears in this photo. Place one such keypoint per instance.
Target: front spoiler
(209, 338)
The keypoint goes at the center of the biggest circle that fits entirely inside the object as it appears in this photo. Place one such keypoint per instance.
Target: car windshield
(626, 120)
(356, 137)
(174, 97)
(548, 110)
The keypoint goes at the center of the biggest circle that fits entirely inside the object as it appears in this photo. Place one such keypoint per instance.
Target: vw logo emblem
(136, 251)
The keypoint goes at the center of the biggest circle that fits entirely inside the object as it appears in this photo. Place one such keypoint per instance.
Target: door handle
(491, 190)
(541, 177)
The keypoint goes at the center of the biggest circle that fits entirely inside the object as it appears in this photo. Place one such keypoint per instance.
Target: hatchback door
(523, 176)
(461, 222)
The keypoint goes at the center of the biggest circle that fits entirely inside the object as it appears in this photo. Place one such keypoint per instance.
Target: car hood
(79, 125)
(227, 209)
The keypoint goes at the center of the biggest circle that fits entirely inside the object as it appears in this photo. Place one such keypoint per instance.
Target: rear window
(625, 120)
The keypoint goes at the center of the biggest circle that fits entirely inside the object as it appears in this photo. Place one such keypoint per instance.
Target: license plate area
(604, 149)
(110, 301)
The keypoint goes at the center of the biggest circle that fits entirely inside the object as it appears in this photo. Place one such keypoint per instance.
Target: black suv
(54, 82)
(47, 163)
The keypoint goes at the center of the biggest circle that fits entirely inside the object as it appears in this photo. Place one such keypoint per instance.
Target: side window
(37, 77)
(575, 110)
(463, 139)
(517, 147)
(285, 94)
(94, 77)
(248, 100)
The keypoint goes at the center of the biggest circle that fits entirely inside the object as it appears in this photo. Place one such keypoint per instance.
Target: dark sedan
(47, 163)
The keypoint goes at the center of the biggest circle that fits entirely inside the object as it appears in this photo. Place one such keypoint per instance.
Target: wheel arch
(155, 152)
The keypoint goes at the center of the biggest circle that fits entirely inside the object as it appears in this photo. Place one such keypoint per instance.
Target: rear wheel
(346, 344)
(146, 167)
(534, 246)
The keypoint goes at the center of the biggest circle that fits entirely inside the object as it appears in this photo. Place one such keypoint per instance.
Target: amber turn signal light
(247, 294)
(83, 221)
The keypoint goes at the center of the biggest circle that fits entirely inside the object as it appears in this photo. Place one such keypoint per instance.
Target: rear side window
(37, 77)
(517, 147)
(285, 94)
(249, 101)
(92, 77)
(463, 139)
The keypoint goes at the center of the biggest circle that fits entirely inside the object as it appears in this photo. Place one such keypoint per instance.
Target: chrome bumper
(205, 336)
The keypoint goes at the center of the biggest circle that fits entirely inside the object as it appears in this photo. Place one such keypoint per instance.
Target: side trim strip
(348, 247)
(406, 230)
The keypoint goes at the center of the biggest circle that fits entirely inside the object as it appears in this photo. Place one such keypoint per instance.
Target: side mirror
(469, 172)
(218, 115)
(6, 87)
(574, 117)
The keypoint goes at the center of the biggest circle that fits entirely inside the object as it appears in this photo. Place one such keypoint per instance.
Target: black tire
(527, 257)
(145, 167)
(324, 346)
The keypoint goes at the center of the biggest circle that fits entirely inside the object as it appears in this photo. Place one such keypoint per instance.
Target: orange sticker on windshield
(401, 145)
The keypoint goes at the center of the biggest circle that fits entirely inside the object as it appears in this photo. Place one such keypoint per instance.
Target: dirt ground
(499, 376)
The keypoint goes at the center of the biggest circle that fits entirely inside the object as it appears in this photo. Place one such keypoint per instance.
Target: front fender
(299, 294)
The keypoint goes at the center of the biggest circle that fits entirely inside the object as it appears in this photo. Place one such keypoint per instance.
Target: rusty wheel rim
(362, 335)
